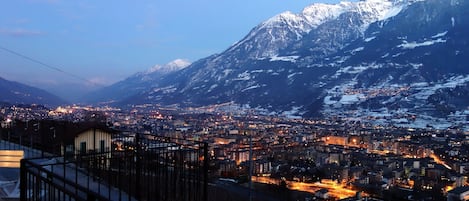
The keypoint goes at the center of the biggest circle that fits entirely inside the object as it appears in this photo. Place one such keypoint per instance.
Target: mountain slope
(396, 61)
(267, 67)
(17, 93)
(136, 83)
(414, 63)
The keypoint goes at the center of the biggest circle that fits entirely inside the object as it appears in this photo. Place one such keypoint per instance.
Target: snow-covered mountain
(136, 83)
(17, 93)
(170, 67)
(394, 61)
(286, 29)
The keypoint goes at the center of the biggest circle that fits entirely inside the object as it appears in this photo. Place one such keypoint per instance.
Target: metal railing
(138, 167)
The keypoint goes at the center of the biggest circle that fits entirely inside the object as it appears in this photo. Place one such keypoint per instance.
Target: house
(89, 139)
(262, 167)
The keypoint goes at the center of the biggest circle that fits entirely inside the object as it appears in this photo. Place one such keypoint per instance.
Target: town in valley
(305, 159)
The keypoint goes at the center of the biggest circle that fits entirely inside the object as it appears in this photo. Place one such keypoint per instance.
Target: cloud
(98, 81)
(20, 32)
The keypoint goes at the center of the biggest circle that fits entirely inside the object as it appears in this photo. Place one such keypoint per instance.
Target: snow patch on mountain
(369, 39)
(426, 91)
(164, 90)
(356, 69)
(318, 13)
(284, 58)
(357, 50)
(413, 45)
(172, 66)
(292, 20)
(438, 35)
(251, 87)
(393, 11)
(294, 113)
(243, 76)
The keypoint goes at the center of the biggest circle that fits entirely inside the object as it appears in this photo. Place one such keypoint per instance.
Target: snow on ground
(243, 76)
(257, 71)
(328, 101)
(369, 39)
(212, 87)
(357, 50)
(392, 12)
(413, 45)
(251, 87)
(425, 91)
(440, 34)
(294, 113)
(356, 69)
(350, 99)
(285, 58)
(416, 66)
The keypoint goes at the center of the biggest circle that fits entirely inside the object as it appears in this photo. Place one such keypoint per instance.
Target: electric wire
(47, 65)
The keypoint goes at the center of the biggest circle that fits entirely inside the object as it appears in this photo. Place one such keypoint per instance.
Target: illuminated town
(311, 159)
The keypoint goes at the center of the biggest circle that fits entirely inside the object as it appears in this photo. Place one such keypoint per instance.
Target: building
(459, 193)
(89, 139)
(262, 167)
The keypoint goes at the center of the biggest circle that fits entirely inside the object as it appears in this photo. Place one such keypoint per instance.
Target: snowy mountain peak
(279, 32)
(408, 70)
(318, 13)
(172, 66)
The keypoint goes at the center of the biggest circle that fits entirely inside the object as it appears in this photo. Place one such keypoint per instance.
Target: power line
(47, 65)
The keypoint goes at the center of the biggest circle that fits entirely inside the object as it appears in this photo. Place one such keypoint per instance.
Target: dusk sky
(107, 41)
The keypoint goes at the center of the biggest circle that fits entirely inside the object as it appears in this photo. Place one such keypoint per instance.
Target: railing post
(138, 167)
(23, 181)
(205, 196)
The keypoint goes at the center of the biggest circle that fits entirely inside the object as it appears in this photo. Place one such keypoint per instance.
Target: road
(439, 161)
(335, 190)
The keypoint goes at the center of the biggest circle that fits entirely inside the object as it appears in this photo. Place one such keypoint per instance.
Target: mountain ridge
(135, 83)
(18, 93)
(390, 59)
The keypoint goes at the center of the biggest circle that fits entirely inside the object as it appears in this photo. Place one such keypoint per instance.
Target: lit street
(335, 190)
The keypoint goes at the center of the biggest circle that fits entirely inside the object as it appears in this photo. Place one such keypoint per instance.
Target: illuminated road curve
(439, 161)
(335, 190)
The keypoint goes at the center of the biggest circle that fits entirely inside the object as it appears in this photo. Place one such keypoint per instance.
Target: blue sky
(107, 41)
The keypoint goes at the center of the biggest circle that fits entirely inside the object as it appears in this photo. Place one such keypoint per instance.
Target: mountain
(253, 64)
(136, 83)
(17, 93)
(400, 62)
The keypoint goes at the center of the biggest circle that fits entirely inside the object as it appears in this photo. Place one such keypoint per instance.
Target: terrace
(148, 167)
